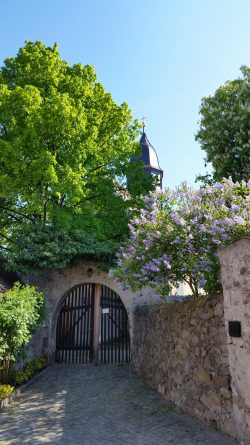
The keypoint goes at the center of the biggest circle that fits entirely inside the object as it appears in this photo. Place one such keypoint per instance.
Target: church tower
(149, 157)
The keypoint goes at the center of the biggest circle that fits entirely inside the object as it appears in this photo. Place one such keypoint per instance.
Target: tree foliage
(176, 235)
(224, 132)
(65, 148)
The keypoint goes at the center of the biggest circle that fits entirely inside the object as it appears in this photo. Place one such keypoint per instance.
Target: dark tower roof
(149, 156)
(149, 159)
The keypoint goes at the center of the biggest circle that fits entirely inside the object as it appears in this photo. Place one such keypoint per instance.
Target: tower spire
(148, 158)
(143, 123)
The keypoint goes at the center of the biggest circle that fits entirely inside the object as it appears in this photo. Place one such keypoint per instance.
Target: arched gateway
(92, 326)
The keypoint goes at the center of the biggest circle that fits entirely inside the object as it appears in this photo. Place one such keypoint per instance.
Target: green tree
(65, 149)
(224, 132)
(21, 312)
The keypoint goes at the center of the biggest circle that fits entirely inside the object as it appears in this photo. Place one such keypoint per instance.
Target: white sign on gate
(105, 310)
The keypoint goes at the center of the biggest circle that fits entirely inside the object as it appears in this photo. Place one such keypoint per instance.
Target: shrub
(36, 364)
(18, 377)
(176, 235)
(5, 391)
(21, 312)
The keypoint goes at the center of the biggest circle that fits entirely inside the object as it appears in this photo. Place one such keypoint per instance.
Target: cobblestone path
(103, 405)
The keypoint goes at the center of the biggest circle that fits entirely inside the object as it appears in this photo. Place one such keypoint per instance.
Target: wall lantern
(89, 272)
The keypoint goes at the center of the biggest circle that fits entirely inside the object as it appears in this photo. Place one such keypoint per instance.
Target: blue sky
(160, 56)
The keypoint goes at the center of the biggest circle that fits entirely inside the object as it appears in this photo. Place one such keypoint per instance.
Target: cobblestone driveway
(104, 405)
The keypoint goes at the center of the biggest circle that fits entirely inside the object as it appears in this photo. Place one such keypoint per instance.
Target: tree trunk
(5, 371)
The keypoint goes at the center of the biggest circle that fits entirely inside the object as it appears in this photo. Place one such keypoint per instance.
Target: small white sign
(105, 310)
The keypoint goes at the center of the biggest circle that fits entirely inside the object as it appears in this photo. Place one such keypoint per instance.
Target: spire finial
(143, 123)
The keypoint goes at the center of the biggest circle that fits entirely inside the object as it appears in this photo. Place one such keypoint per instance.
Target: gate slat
(102, 321)
(74, 327)
(85, 328)
(82, 300)
(112, 315)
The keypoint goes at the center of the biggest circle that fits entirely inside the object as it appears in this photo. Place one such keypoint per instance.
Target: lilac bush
(176, 235)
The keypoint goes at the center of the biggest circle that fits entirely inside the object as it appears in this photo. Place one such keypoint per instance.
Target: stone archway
(92, 326)
(56, 283)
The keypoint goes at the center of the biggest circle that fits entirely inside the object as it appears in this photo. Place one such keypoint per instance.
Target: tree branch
(15, 211)
(5, 237)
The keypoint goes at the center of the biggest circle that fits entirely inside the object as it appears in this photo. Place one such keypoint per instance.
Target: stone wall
(235, 272)
(181, 349)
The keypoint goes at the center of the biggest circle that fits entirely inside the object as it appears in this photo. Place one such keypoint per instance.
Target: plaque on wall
(234, 328)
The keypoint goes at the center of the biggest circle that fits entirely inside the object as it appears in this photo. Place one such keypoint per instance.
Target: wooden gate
(92, 326)
(114, 335)
(74, 333)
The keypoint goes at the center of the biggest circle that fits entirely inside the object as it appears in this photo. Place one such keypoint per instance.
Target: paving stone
(99, 405)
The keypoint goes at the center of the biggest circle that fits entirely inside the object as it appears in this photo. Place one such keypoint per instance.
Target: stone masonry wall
(181, 349)
(235, 274)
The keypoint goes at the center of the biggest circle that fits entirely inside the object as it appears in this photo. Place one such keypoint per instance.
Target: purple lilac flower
(147, 243)
(167, 264)
(239, 220)
(201, 282)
